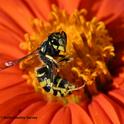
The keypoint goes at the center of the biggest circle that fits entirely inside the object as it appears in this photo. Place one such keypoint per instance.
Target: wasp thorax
(87, 42)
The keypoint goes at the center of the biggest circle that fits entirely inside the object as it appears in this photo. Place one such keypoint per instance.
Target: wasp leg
(77, 88)
(65, 58)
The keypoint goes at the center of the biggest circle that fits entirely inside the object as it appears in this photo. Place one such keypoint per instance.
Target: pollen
(88, 44)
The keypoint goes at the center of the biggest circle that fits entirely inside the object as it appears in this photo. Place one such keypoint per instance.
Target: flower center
(88, 44)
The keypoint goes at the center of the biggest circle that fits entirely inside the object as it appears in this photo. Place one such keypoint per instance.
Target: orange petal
(120, 113)
(92, 6)
(13, 106)
(7, 24)
(15, 90)
(119, 109)
(79, 115)
(43, 112)
(73, 114)
(46, 113)
(39, 8)
(29, 111)
(17, 13)
(97, 113)
(118, 95)
(69, 5)
(12, 51)
(66, 119)
(107, 108)
(111, 12)
(10, 77)
(9, 36)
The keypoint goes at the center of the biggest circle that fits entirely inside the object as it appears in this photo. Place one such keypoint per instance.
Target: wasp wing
(6, 61)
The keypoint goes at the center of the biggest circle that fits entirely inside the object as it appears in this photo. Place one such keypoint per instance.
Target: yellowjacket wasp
(49, 81)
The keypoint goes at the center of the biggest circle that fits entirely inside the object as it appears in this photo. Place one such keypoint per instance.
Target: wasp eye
(60, 42)
(55, 42)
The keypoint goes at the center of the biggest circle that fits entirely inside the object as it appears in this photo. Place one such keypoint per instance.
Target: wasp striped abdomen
(57, 87)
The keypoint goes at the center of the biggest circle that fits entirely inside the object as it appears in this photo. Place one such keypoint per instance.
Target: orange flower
(103, 103)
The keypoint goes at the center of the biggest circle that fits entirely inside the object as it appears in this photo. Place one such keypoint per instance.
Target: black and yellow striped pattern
(59, 86)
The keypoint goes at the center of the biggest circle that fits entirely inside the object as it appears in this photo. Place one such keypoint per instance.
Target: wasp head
(58, 40)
